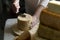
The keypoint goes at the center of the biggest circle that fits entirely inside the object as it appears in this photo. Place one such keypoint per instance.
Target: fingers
(34, 21)
(17, 6)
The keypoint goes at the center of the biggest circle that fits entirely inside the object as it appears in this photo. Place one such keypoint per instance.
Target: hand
(15, 6)
(35, 20)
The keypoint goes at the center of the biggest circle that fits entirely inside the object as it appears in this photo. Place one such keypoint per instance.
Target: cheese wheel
(48, 33)
(54, 6)
(51, 19)
(24, 21)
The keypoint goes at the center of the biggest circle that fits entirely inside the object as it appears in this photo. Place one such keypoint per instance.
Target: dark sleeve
(22, 5)
(4, 5)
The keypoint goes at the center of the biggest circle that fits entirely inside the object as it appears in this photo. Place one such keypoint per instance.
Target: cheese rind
(51, 19)
(48, 33)
(54, 6)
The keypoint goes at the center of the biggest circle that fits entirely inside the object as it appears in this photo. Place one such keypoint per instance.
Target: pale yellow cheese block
(54, 6)
(48, 33)
(24, 22)
(51, 19)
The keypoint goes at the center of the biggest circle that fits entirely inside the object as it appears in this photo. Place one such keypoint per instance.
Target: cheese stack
(54, 6)
(50, 22)
(24, 22)
(51, 15)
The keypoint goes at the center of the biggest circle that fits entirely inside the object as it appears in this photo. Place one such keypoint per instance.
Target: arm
(36, 16)
(40, 7)
(38, 11)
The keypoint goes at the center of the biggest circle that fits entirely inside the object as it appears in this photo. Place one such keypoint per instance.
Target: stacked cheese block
(50, 22)
(24, 22)
(24, 28)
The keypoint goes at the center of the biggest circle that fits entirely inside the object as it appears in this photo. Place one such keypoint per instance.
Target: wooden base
(24, 36)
